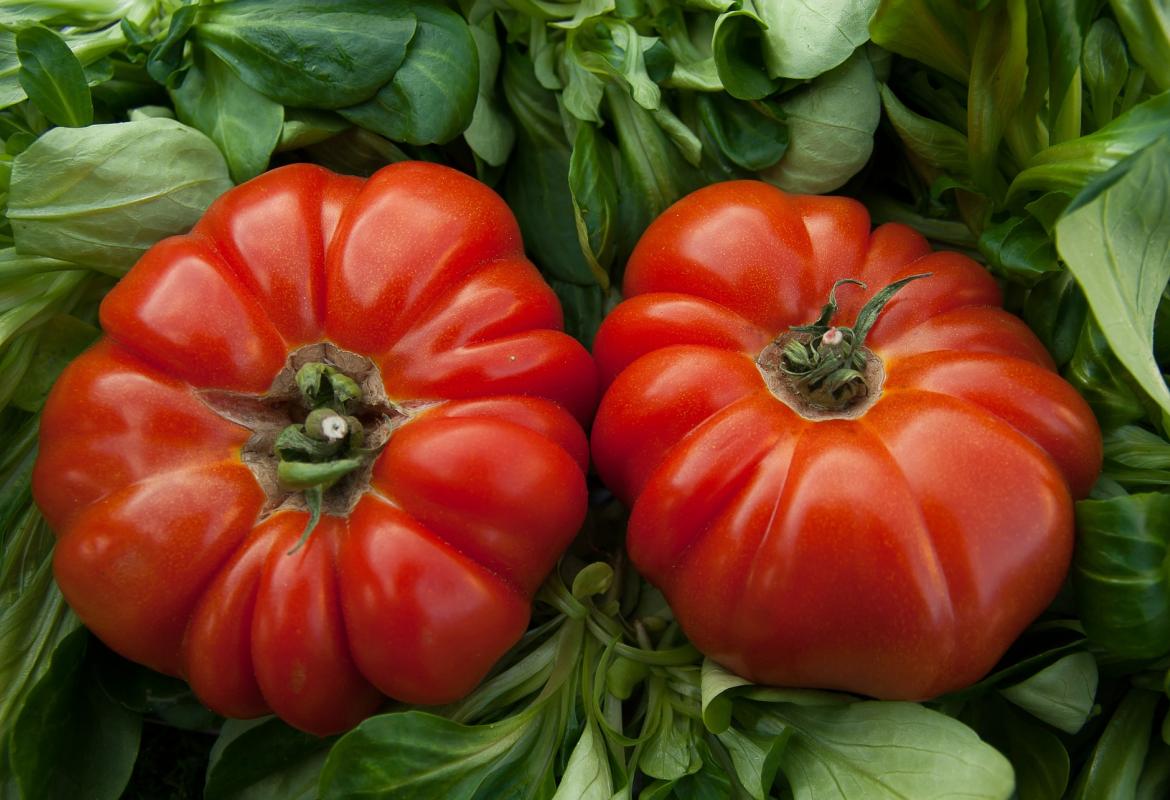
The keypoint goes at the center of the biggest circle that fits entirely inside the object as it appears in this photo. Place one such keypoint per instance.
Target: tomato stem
(314, 455)
(827, 365)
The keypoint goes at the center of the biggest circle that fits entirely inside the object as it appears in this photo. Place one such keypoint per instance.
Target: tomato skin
(896, 554)
(168, 545)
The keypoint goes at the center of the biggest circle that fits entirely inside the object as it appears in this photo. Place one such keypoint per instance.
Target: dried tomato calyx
(827, 370)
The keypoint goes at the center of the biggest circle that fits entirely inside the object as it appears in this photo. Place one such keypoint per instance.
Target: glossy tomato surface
(169, 546)
(896, 553)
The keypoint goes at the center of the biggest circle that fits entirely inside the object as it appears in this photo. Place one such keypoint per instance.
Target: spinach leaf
(1106, 69)
(1061, 694)
(593, 187)
(998, 80)
(1038, 756)
(491, 133)
(313, 53)
(432, 96)
(830, 128)
(1121, 573)
(245, 124)
(1114, 768)
(804, 39)
(934, 142)
(1146, 25)
(587, 774)
(1117, 245)
(53, 78)
(1070, 166)
(937, 33)
(752, 138)
(1056, 310)
(82, 195)
(883, 750)
(71, 739)
(737, 47)
(1020, 250)
(265, 758)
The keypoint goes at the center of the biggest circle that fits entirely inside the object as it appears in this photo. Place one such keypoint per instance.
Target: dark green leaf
(11, 92)
(265, 759)
(167, 55)
(1114, 768)
(432, 96)
(53, 78)
(1102, 380)
(314, 53)
(71, 740)
(1056, 310)
(1117, 245)
(593, 188)
(1064, 24)
(748, 137)
(1020, 250)
(491, 133)
(1154, 783)
(1138, 448)
(536, 185)
(305, 127)
(1146, 25)
(739, 58)
(584, 308)
(587, 775)
(245, 124)
(999, 78)
(756, 759)
(1040, 760)
(61, 339)
(934, 142)
(1106, 69)
(1121, 573)
(82, 195)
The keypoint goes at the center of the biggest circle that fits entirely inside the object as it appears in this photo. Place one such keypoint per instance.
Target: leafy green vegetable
(245, 124)
(264, 758)
(53, 78)
(1115, 766)
(1121, 573)
(804, 40)
(314, 53)
(81, 194)
(1117, 245)
(1061, 694)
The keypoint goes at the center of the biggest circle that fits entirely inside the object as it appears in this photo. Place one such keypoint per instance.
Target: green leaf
(1138, 448)
(1070, 166)
(587, 775)
(314, 53)
(884, 750)
(584, 308)
(1106, 69)
(1040, 760)
(1117, 245)
(167, 56)
(11, 92)
(1061, 694)
(1063, 23)
(411, 754)
(934, 142)
(1020, 250)
(999, 78)
(72, 740)
(749, 137)
(432, 96)
(244, 123)
(60, 340)
(830, 126)
(1056, 310)
(1121, 573)
(305, 127)
(83, 196)
(1146, 25)
(536, 184)
(1115, 766)
(935, 32)
(264, 759)
(53, 78)
(1102, 380)
(593, 187)
(756, 759)
(804, 40)
(737, 47)
(491, 134)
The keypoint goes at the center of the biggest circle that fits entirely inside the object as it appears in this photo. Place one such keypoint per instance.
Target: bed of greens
(1033, 135)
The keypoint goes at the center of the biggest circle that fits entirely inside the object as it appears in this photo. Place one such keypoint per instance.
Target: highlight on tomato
(299, 468)
(848, 466)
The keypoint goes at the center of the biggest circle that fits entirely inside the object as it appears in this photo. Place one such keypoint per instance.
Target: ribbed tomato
(379, 352)
(884, 519)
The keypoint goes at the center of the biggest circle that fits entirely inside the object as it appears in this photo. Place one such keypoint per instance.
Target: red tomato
(894, 548)
(156, 464)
